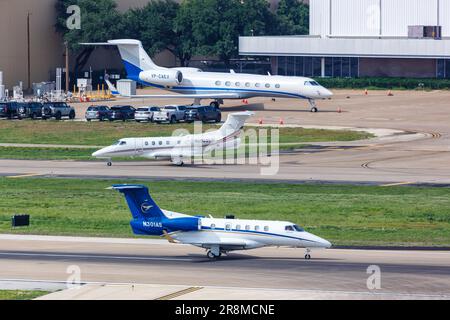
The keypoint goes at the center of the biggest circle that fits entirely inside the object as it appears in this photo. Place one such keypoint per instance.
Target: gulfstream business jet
(178, 148)
(217, 236)
(193, 83)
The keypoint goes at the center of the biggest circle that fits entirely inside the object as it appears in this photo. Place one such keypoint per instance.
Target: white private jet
(177, 148)
(217, 236)
(193, 83)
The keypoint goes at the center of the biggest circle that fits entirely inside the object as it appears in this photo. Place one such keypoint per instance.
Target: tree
(153, 25)
(293, 17)
(100, 21)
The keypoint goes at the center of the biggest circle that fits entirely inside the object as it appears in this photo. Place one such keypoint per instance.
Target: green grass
(346, 215)
(105, 133)
(21, 294)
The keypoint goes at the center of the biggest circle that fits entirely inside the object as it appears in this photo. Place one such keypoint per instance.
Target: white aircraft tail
(234, 123)
(112, 88)
(134, 57)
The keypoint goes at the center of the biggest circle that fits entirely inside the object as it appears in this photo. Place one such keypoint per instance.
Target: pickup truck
(170, 114)
(57, 110)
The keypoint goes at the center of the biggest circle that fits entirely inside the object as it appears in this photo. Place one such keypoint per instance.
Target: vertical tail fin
(234, 123)
(134, 57)
(112, 88)
(139, 201)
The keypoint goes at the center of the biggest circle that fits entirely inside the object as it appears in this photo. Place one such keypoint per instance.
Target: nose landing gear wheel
(314, 110)
(307, 257)
(109, 164)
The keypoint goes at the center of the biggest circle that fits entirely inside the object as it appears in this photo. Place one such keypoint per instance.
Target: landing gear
(214, 253)
(178, 162)
(307, 254)
(312, 103)
(109, 164)
(214, 104)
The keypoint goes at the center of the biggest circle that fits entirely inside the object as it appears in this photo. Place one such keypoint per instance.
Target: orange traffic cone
(281, 121)
(366, 92)
(339, 110)
(260, 121)
(390, 94)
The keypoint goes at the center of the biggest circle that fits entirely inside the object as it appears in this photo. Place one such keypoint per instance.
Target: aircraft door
(139, 147)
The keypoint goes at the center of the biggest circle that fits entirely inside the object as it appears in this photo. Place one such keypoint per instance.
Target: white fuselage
(245, 86)
(236, 234)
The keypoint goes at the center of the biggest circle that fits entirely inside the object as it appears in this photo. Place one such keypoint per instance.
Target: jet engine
(162, 77)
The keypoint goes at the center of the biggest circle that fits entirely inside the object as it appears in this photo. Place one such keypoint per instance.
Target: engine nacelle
(162, 77)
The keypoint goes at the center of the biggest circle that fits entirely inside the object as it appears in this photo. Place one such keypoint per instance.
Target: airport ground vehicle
(100, 113)
(57, 110)
(9, 109)
(145, 113)
(31, 110)
(170, 114)
(204, 114)
(122, 113)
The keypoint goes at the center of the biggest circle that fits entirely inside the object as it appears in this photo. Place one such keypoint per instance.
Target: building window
(354, 67)
(328, 67)
(290, 68)
(337, 67)
(299, 70)
(282, 66)
(317, 67)
(308, 66)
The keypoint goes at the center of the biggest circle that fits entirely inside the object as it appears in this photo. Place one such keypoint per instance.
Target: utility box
(126, 87)
(42, 88)
(84, 84)
(20, 220)
(425, 32)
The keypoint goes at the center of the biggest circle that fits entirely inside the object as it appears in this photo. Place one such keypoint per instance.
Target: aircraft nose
(327, 93)
(98, 153)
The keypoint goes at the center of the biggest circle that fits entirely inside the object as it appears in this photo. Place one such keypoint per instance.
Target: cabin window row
(247, 84)
(159, 143)
(228, 227)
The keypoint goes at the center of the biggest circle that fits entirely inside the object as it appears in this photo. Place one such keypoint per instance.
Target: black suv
(9, 109)
(31, 110)
(204, 114)
(122, 113)
(101, 113)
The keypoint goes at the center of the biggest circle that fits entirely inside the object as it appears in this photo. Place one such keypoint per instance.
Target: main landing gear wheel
(307, 254)
(109, 164)
(212, 256)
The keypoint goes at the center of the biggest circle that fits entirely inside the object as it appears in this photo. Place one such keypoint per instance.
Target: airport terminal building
(363, 38)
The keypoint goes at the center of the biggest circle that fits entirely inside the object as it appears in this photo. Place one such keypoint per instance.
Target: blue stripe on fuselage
(256, 232)
(133, 73)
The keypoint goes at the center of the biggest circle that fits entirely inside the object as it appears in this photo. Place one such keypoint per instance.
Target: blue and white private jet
(193, 83)
(217, 236)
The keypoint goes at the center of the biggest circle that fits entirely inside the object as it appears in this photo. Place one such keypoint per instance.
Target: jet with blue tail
(216, 236)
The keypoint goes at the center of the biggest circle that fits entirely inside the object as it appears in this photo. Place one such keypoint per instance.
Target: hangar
(363, 38)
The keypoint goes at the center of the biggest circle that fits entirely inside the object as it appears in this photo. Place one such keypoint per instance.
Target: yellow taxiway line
(25, 176)
(396, 184)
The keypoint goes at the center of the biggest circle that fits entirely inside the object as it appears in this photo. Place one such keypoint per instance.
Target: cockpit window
(289, 228)
(312, 83)
(122, 143)
(299, 229)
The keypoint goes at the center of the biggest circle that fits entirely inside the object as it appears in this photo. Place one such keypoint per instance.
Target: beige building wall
(46, 46)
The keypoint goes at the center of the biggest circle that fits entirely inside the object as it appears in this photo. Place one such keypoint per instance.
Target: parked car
(31, 110)
(170, 114)
(122, 113)
(57, 110)
(145, 113)
(9, 109)
(100, 113)
(204, 114)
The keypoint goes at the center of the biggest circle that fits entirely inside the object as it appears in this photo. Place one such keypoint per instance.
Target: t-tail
(234, 124)
(134, 57)
(148, 218)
